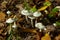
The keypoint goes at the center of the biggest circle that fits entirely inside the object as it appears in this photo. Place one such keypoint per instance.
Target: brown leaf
(2, 16)
(1, 25)
(1, 31)
(3, 4)
(57, 37)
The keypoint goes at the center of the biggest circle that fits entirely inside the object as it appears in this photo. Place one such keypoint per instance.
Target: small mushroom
(26, 13)
(54, 24)
(58, 8)
(10, 20)
(37, 14)
(9, 13)
(40, 26)
(31, 17)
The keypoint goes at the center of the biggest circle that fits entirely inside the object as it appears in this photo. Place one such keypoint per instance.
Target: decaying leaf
(57, 37)
(1, 25)
(4, 3)
(29, 30)
(1, 31)
(2, 16)
(46, 37)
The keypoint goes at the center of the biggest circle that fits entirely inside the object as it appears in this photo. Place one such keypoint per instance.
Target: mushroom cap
(25, 12)
(31, 17)
(57, 6)
(54, 24)
(46, 11)
(10, 20)
(8, 12)
(37, 14)
(39, 25)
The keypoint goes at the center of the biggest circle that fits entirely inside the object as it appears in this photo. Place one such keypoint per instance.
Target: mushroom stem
(36, 21)
(10, 28)
(32, 22)
(8, 15)
(26, 18)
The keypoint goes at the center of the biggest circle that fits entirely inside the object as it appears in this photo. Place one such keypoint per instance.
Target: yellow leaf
(46, 37)
(42, 8)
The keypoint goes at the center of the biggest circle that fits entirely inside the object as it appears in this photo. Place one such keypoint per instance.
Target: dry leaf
(1, 31)
(1, 25)
(46, 37)
(58, 37)
(3, 4)
(2, 16)
(29, 30)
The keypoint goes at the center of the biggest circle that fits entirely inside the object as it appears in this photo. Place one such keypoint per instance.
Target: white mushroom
(40, 26)
(54, 24)
(14, 25)
(37, 14)
(8, 12)
(10, 20)
(58, 7)
(26, 13)
(31, 17)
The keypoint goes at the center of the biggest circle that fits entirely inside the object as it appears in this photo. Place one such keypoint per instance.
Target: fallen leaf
(1, 31)
(57, 37)
(2, 16)
(42, 8)
(1, 25)
(46, 37)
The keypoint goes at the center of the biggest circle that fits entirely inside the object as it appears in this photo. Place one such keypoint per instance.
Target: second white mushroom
(26, 13)
(37, 14)
(31, 17)
(40, 26)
